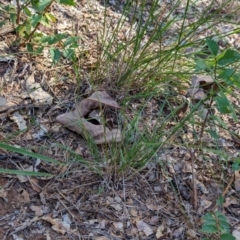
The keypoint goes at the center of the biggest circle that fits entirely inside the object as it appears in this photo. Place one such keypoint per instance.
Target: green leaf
(54, 38)
(227, 236)
(220, 200)
(236, 164)
(213, 134)
(13, 18)
(69, 53)
(27, 27)
(226, 73)
(44, 21)
(50, 17)
(209, 228)
(27, 11)
(30, 47)
(68, 2)
(200, 65)
(223, 104)
(39, 50)
(213, 46)
(29, 154)
(55, 54)
(35, 19)
(41, 5)
(228, 57)
(25, 173)
(21, 29)
(71, 42)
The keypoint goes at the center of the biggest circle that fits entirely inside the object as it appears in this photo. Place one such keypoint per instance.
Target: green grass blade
(29, 154)
(25, 173)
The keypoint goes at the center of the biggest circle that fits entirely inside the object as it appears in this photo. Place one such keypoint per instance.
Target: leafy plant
(26, 18)
(216, 224)
(223, 67)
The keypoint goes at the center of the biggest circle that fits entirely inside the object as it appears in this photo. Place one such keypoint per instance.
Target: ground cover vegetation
(119, 119)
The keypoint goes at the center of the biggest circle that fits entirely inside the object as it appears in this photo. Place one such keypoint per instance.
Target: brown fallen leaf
(201, 85)
(57, 224)
(144, 227)
(76, 122)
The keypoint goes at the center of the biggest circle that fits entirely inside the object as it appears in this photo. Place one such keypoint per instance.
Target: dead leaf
(201, 85)
(36, 92)
(39, 210)
(118, 225)
(76, 122)
(133, 212)
(144, 227)
(116, 206)
(191, 234)
(102, 238)
(57, 224)
(159, 232)
(24, 197)
(237, 181)
(19, 120)
(153, 207)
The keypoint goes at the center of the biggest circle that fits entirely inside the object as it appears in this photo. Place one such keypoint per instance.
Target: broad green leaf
(41, 5)
(68, 2)
(236, 164)
(208, 217)
(28, 27)
(29, 154)
(227, 236)
(213, 134)
(220, 200)
(39, 50)
(34, 3)
(50, 17)
(200, 65)
(35, 19)
(226, 73)
(55, 54)
(27, 11)
(13, 18)
(44, 21)
(209, 228)
(30, 47)
(21, 29)
(25, 173)
(69, 53)
(71, 42)
(213, 46)
(228, 57)
(223, 104)
(54, 38)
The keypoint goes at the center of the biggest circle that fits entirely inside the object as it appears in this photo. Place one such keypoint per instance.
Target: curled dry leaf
(201, 84)
(19, 120)
(76, 122)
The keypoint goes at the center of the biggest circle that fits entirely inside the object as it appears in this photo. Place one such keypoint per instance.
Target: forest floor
(165, 200)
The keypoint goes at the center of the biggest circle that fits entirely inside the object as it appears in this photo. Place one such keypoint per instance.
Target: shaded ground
(160, 202)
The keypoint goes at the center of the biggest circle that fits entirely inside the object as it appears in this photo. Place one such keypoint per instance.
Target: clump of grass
(154, 59)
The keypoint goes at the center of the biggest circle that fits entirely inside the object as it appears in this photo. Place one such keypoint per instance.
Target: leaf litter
(152, 205)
